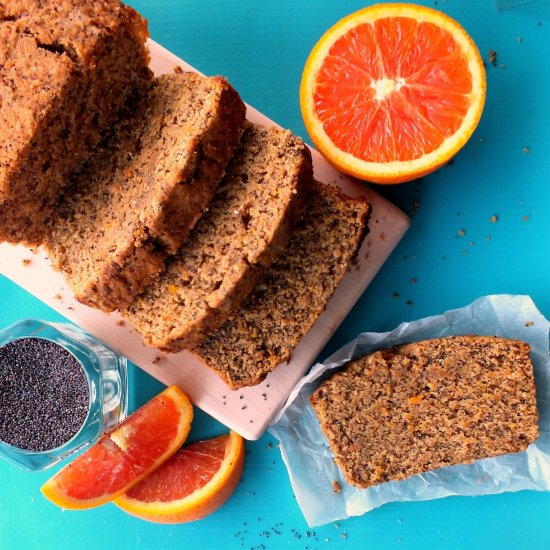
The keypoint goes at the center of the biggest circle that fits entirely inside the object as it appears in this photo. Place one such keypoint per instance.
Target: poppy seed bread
(293, 292)
(67, 68)
(248, 223)
(421, 406)
(145, 188)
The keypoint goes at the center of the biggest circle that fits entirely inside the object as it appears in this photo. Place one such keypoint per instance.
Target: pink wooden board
(246, 411)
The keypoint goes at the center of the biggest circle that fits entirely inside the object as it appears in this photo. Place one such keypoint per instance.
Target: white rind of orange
(55, 494)
(394, 171)
(167, 512)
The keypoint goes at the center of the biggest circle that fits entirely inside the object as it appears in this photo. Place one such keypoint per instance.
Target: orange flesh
(187, 471)
(105, 468)
(392, 90)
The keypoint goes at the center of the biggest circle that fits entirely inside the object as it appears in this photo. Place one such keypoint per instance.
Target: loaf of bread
(247, 224)
(292, 294)
(67, 67)
(145, 188)
(421, 406)
(146, 198)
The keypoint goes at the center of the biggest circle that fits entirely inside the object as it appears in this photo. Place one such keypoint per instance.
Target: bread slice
(420, 406)
(292, 294)
(248, 223)
(67, 67)
(139, 197)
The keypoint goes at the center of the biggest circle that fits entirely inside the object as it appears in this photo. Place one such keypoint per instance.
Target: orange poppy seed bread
(145, 188)
(249, 221)
(67, 67)
(420, 406)
(293, 292)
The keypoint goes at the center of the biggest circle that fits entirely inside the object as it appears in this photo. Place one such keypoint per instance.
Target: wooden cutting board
(246, 411)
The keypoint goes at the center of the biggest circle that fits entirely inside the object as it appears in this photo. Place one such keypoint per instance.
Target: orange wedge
(195, 482)
(393, 91)
(124, 456)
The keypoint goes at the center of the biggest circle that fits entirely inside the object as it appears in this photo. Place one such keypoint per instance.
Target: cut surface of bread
(145, 188)
(67, 68)
(292, 293)
(420, 406)
(248, 222)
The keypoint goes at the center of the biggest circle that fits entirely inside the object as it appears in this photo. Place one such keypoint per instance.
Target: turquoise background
(261, 47)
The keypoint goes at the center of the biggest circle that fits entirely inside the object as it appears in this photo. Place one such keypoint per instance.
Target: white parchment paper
(306, 452)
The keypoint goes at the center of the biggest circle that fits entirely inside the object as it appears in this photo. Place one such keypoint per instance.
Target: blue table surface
(503, 171)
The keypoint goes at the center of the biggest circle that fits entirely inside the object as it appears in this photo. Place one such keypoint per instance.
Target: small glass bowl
(106, 373)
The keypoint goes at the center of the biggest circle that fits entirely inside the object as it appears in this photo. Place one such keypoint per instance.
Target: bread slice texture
(144, 190)
(67, 68)
(293, 292)
(411, 409)
(247, 224)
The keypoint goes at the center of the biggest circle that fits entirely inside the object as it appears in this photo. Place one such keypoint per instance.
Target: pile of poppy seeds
(44, 395)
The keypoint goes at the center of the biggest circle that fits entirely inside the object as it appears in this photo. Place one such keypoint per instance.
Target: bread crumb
(119, 322)
(26, 262)
(178, 69)
(156, 360)
(493, 218)
(493, 58)
(336, 488)
(525, 218)
(57, 297)
(461, 232)
(529, 323)
(525, 150)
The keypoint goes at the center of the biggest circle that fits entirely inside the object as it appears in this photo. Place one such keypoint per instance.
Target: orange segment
(124, 456)
(195, 482)
(393, 91)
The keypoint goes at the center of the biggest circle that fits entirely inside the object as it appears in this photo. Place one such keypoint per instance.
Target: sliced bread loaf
(292, 294)
(247, 224)
(421, 406)
(67, 67)
(145, 188)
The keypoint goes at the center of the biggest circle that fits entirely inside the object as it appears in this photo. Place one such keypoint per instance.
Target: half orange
(195, 482)
(124, 456)
(393, 91)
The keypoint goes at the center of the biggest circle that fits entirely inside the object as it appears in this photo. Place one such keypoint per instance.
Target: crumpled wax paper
(306, 451)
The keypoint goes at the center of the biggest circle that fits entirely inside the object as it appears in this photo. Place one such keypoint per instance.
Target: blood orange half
(195, 482)
(392, 92)
(124, 456)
